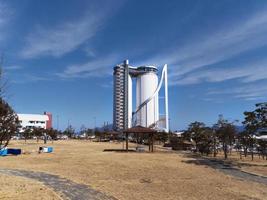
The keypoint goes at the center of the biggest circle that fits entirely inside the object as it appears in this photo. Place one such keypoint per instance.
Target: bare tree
(9, 122)
(27, 134)
(3, 81)
(226, 133)
(52, 133)
(196, 132)
(70, 131)
(254, 122)
(38, 133)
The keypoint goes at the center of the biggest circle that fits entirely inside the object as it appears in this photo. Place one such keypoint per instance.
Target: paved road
(227, 169)
(67, 189)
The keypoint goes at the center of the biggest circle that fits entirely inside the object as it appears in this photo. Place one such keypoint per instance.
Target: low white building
(261, 134)
(178, 133)
(33, 121)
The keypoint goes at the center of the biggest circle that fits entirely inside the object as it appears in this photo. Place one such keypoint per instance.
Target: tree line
(224, 136)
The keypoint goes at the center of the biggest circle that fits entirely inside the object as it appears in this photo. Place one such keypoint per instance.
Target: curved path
(67, 189)
(228, 169)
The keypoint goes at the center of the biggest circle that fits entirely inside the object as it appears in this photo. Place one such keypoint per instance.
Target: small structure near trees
(138, 131)
(136, 134)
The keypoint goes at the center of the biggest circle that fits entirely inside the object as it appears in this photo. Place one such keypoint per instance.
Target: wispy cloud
(62, 39)
(28, 78)
(247, 72)
(188, 63)
(66, 37)
(12, 67)
(97, 68)
(4, 11)
(252, 91)
(89, 52)
(222, 44)
(107, 85)
(5, 14)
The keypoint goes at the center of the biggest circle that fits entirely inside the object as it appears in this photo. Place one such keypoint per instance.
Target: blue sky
(59, 55)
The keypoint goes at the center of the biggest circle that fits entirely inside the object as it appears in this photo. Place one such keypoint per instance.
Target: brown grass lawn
(257, 166)
(22, 188)
(130, 176)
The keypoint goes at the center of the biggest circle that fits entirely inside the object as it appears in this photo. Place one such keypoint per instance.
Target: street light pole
(94, 124)
(169, 124)
(57, 121)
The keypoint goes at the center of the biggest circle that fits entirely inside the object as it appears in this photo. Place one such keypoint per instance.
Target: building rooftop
(33, 117)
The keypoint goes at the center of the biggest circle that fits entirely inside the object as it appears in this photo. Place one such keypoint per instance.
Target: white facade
(147, 113)
(130, 101)
(146, 85)
(261, 135)
(32, 121)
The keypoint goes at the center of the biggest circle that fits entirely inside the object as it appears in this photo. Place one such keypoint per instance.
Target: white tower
(146, 85)
(147, 97)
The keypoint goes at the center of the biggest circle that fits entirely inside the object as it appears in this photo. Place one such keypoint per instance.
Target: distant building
(261, 134)
(178, 133)
(49, 122)
(35, 121)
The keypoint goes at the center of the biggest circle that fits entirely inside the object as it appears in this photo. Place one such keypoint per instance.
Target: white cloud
(219, 45)
(97, 68)
(68, 36)
(62, 39)
(107, 85)
(5, 14)
(89, 52)
(27, 78)
(12, 67)
(252, 91)
(247, 72)
(187, 63)
(4, 11)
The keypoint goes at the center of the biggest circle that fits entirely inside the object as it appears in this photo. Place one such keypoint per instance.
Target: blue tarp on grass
(14, 151)
(49, 149)
(46, 149)
(3, 152)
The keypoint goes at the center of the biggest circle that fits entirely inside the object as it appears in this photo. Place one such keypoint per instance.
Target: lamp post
(57, 121)
(94, 125)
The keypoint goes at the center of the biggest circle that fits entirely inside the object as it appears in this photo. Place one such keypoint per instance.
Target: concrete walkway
(67, 189)
(228, 169)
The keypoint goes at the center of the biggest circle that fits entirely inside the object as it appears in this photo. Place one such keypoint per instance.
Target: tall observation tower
(147, 89)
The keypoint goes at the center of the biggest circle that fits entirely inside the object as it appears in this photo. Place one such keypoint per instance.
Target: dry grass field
(257, 166)
(129, 176)
(22, 188)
